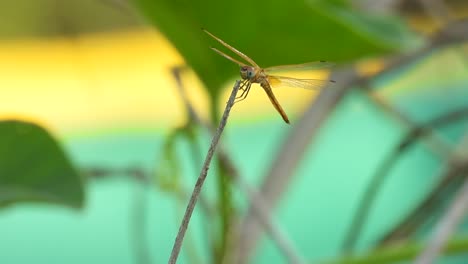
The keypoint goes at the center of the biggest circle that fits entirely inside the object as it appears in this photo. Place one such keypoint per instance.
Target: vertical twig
(194, 119)
(225, 200)
(262, 211)
(201, 179)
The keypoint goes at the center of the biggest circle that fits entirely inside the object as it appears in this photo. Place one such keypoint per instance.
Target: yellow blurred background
(117, 80)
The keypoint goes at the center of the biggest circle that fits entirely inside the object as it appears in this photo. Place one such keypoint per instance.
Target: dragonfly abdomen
(267, 88)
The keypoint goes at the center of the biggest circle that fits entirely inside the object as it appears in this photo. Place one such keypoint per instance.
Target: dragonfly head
(247, 72)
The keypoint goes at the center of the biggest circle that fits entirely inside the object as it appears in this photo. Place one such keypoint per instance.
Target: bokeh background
(107, 109)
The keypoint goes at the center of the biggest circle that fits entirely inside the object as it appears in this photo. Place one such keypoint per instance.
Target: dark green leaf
(272, 32)
(33, 167)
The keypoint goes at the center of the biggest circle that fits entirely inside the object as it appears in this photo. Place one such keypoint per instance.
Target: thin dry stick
(259, 205)
(201, 179)
(193, 117)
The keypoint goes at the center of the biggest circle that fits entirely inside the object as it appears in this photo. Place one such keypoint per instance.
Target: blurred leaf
(272, 32)
(386, 32)
(33, 167)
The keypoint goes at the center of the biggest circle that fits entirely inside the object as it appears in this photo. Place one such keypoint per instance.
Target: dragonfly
(251, 73)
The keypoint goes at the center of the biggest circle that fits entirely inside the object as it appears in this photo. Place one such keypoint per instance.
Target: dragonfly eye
(247, 72)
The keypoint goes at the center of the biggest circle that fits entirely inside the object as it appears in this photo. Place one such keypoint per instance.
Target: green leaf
(272, 33)
(384, 31)
(33, 167)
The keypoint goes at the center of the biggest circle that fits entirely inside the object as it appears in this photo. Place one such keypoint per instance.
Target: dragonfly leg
(244, 94)
(243, 89)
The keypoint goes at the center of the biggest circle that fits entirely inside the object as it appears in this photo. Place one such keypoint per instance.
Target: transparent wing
(304, 66)
(310, 84)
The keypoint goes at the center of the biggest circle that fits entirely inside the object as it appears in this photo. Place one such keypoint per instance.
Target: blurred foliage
(294, 31)
(33, 167)
(399, 253)
(168, 174)
(45, 18)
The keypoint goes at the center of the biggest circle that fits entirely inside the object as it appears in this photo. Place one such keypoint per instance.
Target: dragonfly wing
(310, 84)
(316, 65)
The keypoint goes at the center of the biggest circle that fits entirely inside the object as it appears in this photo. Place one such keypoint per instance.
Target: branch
(194, 118)
(447, 225)
(254, 197)
(201, 179)
(192, 114)
(366, 201)
(450, 180)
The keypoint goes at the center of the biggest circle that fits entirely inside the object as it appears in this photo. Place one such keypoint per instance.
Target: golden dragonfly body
(255, 74)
